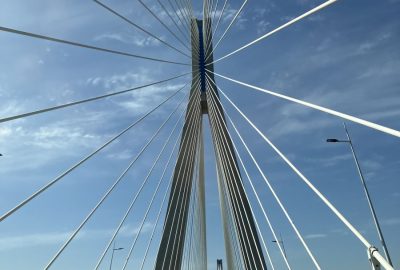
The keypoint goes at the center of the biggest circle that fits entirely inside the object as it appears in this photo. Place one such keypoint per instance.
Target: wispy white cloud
(262, 26)
(371, 44)
(391, 221)
(144, 100)
(121, 81)
(32, 240)
(53, 238)
(297, 126)
(135, 39)
(329, 161)
(122, 155)
(227, 17)
(37, 147)
(396, 194)
(371, 165)
(315, 236)
(141, 100)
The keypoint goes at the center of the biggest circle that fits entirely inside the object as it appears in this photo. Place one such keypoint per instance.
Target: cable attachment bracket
(375, 264)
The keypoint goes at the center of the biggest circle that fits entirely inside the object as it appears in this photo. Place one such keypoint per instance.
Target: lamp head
(332, 140)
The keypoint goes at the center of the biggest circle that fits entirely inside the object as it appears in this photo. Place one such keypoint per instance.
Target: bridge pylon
(242, 243)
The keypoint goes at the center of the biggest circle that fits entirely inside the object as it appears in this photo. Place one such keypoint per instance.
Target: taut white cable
(255, 192)
(275, 195)
(184, 173)
(375, 252)
(161, 207)
(320, 108)
(185, 199)
(172, 19)
(140, 28)
(259, 202)
(227, 29)
(55, 180)
(130, 207)
(229, 168)
(216, 27)
(215, 111)
(157, 188)
(22, 115)
(165, 26)
(327, 3)
(226, 203)
(72, 43)
(117, 181)
(212, 97)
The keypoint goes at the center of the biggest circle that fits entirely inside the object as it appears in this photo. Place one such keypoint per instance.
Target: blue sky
(345, 57)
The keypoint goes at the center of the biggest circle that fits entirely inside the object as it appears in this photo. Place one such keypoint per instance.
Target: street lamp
(219, 264)
(112, 254)
(378, 228)
(280, 242)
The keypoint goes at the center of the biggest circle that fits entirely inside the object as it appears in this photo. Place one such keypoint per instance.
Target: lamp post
(219, 264)
(280, 242)
(371, 207)
(112, 254)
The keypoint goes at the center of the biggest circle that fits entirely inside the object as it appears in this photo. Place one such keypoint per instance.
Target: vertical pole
(112, 256)
(219, 264)
(371, 207)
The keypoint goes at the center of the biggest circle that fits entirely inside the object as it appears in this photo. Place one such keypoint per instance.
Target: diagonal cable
(186, 171)
(121, 176)
(254, 190)
(191, 134)
(237, 169)
(354, 119)
(172, 18)
(163, 201)
(181, 217)
(14, 117)
(55, 180)
(33, 35)
(308, 13)
(192, 218)
(214, 30)
(139, 27)
(373, 251)
(248, 177)
(157, 187)
(210, 30)
(180, 20)
(301, 238)
(215, 108)
(163, 24)
(232, 199)
(227, 29)
(227, 203)
(220, 16)
(125, 216)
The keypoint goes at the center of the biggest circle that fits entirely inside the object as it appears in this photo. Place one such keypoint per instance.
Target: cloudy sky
(345, 57)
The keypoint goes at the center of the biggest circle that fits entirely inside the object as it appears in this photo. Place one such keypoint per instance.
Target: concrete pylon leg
(244, 220)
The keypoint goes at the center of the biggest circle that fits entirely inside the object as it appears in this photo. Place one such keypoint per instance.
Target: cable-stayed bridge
(181, 198)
